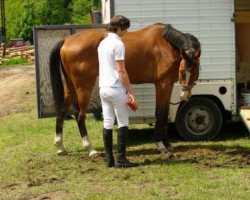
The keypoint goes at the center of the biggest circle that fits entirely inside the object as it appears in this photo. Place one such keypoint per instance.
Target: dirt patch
(17, 89)
(48, 196)
(217, 155)
(209, 157)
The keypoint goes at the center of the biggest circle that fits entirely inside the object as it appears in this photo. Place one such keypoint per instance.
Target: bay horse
(157, 54)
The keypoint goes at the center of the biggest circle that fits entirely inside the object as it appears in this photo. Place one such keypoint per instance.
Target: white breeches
(114, 105)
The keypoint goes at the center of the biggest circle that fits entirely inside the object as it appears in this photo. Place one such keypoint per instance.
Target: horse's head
(190, 50)
(189, 66)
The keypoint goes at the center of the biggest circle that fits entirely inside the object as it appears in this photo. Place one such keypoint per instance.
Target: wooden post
(3, 29)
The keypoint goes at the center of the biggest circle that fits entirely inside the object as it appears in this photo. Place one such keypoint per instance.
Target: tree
(55, 12)
(12, 10)
(15, 11)
(67, 3)
(80, 11)
(27, 22)
(21, 16)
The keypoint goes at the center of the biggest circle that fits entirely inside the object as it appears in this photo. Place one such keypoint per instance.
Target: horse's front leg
(163, 95)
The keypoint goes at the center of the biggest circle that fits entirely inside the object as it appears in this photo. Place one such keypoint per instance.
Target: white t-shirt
(110, 49)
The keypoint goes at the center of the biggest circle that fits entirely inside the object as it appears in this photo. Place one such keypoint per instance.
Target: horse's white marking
(160, 146)
(86, 142)
(184, 96)
(58, 141)
(185, 93)
(87, 145)
(188, 74)
(92, 153)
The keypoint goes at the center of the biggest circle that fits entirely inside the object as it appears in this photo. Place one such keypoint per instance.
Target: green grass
(30, 168)
(14, 61)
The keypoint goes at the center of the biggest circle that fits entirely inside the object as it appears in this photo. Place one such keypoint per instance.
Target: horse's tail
(55, 64)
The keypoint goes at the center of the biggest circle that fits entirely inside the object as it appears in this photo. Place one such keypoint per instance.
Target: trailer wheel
(199, 119)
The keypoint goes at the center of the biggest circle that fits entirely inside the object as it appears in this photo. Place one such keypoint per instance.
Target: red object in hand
(132, 104)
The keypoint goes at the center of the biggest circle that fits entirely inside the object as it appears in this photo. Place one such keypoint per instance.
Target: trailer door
(242, 16)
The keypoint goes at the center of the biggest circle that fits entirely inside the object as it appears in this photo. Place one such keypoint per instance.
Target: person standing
(115, 88)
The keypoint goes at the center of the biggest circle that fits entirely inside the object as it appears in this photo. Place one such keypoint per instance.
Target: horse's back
(146, 52)
(145, 35)
(83, 41)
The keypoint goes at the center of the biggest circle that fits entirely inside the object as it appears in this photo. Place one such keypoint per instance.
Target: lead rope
(188, 87)
(175, 103)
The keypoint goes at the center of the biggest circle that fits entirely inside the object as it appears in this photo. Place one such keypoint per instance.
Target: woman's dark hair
(118, 21)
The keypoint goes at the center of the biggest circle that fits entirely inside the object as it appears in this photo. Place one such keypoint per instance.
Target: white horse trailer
(222, 27)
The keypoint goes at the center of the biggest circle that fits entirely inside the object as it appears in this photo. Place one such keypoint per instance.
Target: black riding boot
(108, 146)
(121, 160)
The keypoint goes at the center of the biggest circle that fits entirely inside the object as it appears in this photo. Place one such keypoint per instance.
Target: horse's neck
(148, 32)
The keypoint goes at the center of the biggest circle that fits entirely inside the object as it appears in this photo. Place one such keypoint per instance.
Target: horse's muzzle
(185, 95)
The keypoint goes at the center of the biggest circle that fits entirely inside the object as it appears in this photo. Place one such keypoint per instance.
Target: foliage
(55, 12)
(80, 12)
(13, 12)
(28, 20)
(96, 5)
(21, 16)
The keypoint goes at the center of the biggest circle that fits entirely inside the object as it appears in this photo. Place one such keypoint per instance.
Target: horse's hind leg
(80, 118)
(58, 140)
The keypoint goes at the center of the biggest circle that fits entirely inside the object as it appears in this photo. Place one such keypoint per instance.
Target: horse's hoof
(165, 150)
(160, 146)
(171, 156)
(62, 153)
(170, 149)
(160, 151)
(93, 153)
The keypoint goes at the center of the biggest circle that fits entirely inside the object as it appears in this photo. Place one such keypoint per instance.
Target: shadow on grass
(207, 154)
(229, 131)
(223, 152)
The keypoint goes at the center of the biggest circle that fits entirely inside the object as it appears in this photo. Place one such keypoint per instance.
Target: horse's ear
(197, 53)
(185, 54)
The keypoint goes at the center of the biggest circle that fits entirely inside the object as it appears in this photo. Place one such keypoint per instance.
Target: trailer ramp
(245, 115)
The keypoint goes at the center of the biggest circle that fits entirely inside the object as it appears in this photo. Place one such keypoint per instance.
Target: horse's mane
(181, 41)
